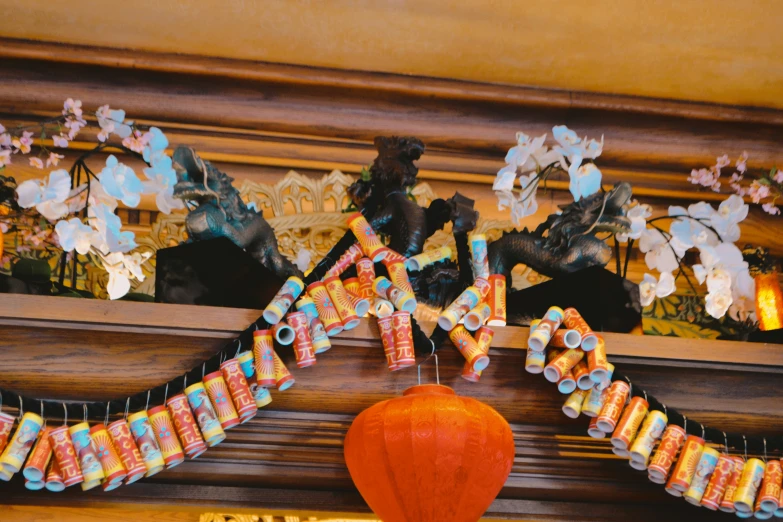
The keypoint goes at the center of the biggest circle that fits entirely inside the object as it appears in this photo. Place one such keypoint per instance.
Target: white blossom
(74, 235)
(47, 196)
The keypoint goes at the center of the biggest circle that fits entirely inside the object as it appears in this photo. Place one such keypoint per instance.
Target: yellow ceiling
(724, 51)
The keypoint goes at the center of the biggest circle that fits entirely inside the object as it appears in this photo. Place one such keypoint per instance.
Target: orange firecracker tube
(221, 399)
(303, 344)
(469, 348)
(613, 406)
(185, 424)
(170, 448)
(727, 503)
(683, 472)
(769, 494)
(113, 469)
(567, 383)
(662, 461)
(263, 357)
(365, 272)
(54, 478)
(239, 389)
(371, 245)
(716, 487)
(342, 303)
(392, 256)
(349, 257)
(596, 361)
(564, 338)
(563, 363)
(628, 425)
(594, 431)
(359, 303)
(497, 300)
(37, 462)
(582, 376)
(398, 275)
(386, 331)
(403, 339)
(574, 321)
(484, 337)
(283, 378)
(127, 450)
(6, 425)
(65, 454)
(325, 306)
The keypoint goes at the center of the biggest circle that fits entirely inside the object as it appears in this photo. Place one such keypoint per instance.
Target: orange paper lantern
(769, 301)
(429, 455)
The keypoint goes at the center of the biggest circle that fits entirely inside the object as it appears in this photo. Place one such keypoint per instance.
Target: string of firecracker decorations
(187, 423)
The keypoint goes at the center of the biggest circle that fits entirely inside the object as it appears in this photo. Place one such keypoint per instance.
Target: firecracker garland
(227, 390)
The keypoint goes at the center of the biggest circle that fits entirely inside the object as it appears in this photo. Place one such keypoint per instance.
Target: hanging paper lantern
(429, 455)
(769, 301)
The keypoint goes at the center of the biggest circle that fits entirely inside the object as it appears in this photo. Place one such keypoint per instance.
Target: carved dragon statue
(220, 212)
(570, 243)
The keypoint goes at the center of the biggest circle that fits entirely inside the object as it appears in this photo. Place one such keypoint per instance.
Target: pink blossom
(73, 107)
(3, 227)
(2, 129)
(757, 191)
(24, 143)
(37, 163)
(741, 166)
(770, 208)
(60, 141)
(778, 177)
(705, 178)
(53, 159)
(723, 161)
(5, 140)
(137, 141)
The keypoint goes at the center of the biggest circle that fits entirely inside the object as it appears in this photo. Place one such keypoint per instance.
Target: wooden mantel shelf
(291, 452)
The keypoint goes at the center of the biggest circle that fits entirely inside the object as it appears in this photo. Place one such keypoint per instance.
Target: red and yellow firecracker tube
(479, 261)
(321, 341)
(662, 461)
(608, 381)
(143, 434)
(535, 361)
(748, 486)
(613, 406)
(401, 300)
(403, 339)
(399, 276)
(573, 405)
(596, 361)
(127, 450)
(371, 245)
(352, 286)
(685, 468)
(574, 321)
(283, 378)
(594, 431)
(349, 257)
(386, 331)
(187, 430)
(416, 263)
(382, 308)
(89, 463)
(561, 364)
(54, 477)
(716, 487)
(342, 303)
(484, 337)
(205, 414)
(260, 394)
(769, 494)
(239, 389)
(392, 257)
(354, 291)
(594, 401)
(469, 348)
(539, 339)
(283, 300)
(221, 400)
(701, 477)
(565, 338)
(582, 376)
(327, 311)
(166, 436)
(652, 429)
(567, 383)
(365, 272)
(282, 333)
(113, 469)
(303, 344)
(477, 317)
(263, 356)
(21, 442)
(6, 425)
(628, 425)
(467, 301)
(35, 467)
(483, 286)
(497, 300)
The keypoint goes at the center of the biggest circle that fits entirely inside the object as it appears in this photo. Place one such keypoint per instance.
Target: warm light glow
(769, 302)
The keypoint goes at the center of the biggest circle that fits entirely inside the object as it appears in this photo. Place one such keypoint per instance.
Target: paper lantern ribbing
(448, 456)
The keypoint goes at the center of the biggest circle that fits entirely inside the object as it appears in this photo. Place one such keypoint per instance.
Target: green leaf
(763, 181)
(32, 270)
(365, 174)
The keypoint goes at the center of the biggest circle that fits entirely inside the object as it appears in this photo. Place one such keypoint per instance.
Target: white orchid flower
(162, 179)
(504, 181)
(47, 196)
(527, 204)
(584, 181)
(119, 181)
(729, 214)
(520, 156)
(303, 258)
(718, 303)
(112, 122)
(659, 254)
(743, 295)
(638, 215)
(109, 237)
(701, 210)
(119, 281)
(156, 145)
(650, 288)
(73, 234)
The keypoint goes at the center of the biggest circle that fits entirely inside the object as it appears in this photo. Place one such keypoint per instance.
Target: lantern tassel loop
(437, 368)
(42, 415)
(65, 415)
(726, 442)
(84, 408)
(21, 408)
